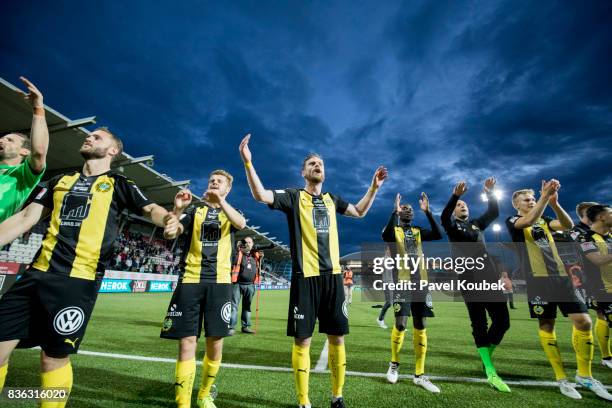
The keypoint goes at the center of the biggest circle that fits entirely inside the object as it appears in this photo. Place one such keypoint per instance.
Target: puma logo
(179, 384)
(553, 344)
(71, 342)
(302, 370)
(422, 345)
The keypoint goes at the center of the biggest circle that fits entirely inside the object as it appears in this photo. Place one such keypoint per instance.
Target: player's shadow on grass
(226, 399)
(95, 387)
(147, 323)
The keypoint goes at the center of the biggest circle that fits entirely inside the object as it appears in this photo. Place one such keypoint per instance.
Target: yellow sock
(209, 373)
(601, 329)
(300, 360)
(183, 382)
(59, 378)
(337, 367)
(583, 346)
(397, 339)
(549, 344)
(3, 371)
(419, 341)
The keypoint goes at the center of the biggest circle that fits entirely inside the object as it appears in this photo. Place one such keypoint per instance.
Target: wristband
(374, 189)
(247, 165)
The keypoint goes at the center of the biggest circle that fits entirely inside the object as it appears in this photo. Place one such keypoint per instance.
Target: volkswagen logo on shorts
(429, 300)
(345, 309)
(68, 320)
(226, 312)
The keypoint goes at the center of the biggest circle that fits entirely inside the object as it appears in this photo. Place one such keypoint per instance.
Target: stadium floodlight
(496, 227)
(497, 193)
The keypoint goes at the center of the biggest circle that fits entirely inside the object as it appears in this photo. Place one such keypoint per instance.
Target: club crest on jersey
(537, 309)
(397, 307)
(103, 187)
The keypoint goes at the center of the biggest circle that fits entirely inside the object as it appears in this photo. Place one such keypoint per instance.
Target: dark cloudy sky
(436, 91)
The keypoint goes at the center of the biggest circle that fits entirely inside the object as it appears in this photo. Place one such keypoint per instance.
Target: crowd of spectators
(135, 252)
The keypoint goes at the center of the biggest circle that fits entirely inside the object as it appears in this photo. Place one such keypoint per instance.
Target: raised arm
(21, 222)
(39, 135)
(257, 189)
(548, 189)
(492, 205)
(447, 212)
(388, 234)
(173, 227)
(237, 220)
(360, 209)
(563, 221)
(434, 233)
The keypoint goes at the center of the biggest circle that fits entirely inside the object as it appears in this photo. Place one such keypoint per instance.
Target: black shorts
(317, 297)
(413, 303)
(193, 302)
(602, 307)
(49, 310)
(546, 294)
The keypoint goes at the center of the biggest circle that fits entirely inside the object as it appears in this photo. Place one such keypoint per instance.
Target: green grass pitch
(130, 324)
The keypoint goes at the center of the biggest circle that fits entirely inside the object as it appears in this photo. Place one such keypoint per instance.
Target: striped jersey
(598, 278)
(313, 231)
(207, 252)
(84, 221)
(537, 249)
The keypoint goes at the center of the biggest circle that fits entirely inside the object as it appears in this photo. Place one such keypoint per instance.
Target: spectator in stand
(348, 284)
(245, 275)
(508, 290)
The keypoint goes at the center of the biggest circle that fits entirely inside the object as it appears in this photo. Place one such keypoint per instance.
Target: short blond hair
(518, 193)
(229, 177)
(582, 207)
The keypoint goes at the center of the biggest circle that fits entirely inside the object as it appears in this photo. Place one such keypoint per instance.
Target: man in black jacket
(470, 233)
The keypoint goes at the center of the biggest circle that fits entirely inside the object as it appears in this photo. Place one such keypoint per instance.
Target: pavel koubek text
(412, 264)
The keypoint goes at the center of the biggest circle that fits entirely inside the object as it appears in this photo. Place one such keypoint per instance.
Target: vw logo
(226, 312)
(68, 320)
(429, 300)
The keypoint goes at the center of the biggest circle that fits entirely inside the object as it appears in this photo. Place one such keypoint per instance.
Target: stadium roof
(66, 136)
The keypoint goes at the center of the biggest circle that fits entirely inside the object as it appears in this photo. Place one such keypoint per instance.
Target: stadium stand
(142, 241)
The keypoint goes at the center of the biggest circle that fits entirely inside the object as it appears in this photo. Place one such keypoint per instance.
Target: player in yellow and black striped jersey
(595, 245)
(549, 286)
(51, 304)
(408, 241)
(204, 291)
(316, 283)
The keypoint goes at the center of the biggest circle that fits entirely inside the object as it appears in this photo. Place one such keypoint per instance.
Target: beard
(95, 153)
(315, 177)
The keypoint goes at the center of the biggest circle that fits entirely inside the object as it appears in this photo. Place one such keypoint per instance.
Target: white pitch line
(529, 383)
(321, 366)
